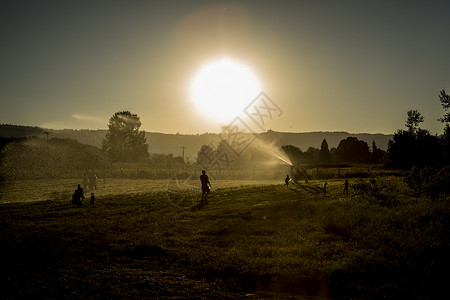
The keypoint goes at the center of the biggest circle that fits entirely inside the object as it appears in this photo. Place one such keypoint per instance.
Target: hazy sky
(355, 66)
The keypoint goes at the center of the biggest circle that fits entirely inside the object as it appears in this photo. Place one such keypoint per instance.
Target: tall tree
(124, 142)
(429, 151)
(377, 154)
(445, 102)
(445, 142)
(324, 154)
(205, 156)
(414, 147)
(402, 150)
(413, 120)
(445, 138)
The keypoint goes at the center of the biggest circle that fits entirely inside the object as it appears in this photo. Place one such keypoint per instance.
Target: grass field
(62, 189)
(252, 239)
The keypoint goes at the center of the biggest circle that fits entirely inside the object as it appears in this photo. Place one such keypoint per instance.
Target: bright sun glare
(222, 89)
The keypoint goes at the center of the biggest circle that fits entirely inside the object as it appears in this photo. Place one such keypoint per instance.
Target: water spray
(283, 160)
(272, 150)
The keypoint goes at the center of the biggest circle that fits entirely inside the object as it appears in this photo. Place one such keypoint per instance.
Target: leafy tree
(313, 153)
(415, 147)
(429, 182)
(296, 155)
(205, 155)
(445, 138)
(324, 154)
(413, 120)
(377, 155)
(428, 149)
(401, 150)
(445, 143)
(124, 142)
(353, 150)
(445, 102)
(333, 154)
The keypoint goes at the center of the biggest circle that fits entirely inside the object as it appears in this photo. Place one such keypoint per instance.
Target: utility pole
(182, 151)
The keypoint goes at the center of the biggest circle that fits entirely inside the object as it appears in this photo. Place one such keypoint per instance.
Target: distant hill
(163, 143)
(17, 131)
(304, 140)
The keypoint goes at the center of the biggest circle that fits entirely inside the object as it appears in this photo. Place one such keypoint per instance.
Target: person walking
(205, 188)
(345, 187)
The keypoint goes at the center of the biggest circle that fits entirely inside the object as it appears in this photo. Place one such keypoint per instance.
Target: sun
(223, 88)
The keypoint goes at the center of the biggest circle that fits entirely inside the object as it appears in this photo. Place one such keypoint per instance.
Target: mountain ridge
(189, 144)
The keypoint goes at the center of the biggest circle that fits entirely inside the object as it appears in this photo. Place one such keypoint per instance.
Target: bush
(376, 190)
(429, 182)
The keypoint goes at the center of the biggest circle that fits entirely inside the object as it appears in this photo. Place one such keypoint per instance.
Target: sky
(354, 66)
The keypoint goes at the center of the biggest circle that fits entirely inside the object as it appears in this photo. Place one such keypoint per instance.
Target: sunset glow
(222, 89)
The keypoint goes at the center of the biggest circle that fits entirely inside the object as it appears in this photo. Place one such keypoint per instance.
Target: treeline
(418, 147)
(426, 156)
(124, 152)
(349, 150)
(413, 147)
(415, 152)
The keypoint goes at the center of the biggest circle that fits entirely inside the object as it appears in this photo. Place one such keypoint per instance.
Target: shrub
(429, 182)
(376, 190)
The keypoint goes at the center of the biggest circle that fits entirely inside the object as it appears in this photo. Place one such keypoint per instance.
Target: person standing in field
(346, 187)
(80, 191)
(287, 180)
(92, 198)
(205, 188)
(325, 189)
(77, 196)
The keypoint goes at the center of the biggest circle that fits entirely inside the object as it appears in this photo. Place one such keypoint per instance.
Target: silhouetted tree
(377, 155)
(414, 147)
(333, 154)
(401, 150)
(444, 98)
(353, 150)
(324, 154)
(314, 153)
(413, 120)
(428, 149)
(445, 102)
(296, 156)
(205, 156)
(445, 143)
(124, 142)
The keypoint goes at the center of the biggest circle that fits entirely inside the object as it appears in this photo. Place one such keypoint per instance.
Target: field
(62, 189)
(151, 239)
